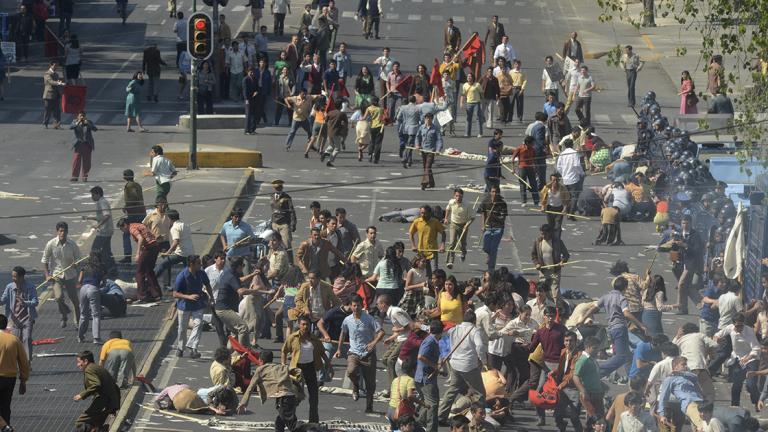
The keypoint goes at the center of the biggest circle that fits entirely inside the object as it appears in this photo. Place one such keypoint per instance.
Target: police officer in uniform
(283, 215)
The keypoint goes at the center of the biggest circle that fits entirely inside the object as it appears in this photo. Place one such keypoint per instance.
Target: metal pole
(192, 163)
(193, 117)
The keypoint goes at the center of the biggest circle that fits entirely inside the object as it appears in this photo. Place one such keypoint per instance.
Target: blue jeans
(392, 104)
(621, 354)
(652, 321)
(304, 124)
(491, 240)
(167, 263)
(738, 375)
(471, 107)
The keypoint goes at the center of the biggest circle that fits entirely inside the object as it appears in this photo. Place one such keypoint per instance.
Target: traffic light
(200, 36)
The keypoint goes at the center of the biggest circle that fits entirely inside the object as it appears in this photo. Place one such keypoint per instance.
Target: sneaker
(195, 354)
(369, 410)
(97, 341)
(541, 422)
(64, 322)
(322, 157)
(80, 340)
(179, 352)
(449, 265)
(329, 164)
(479, 135)
(355, 395)
(463, 257)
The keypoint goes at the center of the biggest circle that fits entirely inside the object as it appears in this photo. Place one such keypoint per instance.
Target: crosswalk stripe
(29, 117)
(547, 22)
(629, 118)
(480, 19)
(152, 8)
(393, 16)
(500, 3)
(458, 1)
(348, 14)
(435, 17)
(238, 8)
(480, 2)
(504, 20)
(438, 1)
(414, 17)
(151, 119)
(116, 119)
(524, 20)
(94, 117)
(458, 18)
(603, 118)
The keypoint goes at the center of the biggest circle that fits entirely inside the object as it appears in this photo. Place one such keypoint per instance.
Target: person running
(59, 257)
(494, 211)
(526, 161)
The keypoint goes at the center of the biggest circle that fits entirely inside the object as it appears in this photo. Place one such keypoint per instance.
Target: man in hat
(283, 215)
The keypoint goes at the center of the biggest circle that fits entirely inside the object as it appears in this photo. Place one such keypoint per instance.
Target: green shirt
(589, 374)
(279, 65)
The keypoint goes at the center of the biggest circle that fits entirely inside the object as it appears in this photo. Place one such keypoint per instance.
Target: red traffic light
(200, 24)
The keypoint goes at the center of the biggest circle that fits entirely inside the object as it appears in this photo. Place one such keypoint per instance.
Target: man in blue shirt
(228, 299)
(236, 235)
(426, 377)
(617, 308)
(550, 106)
(190, 301)
(684, 386)
(430, 140)
(646, 355)
(331, 79)
(20, 300)
(364, 333)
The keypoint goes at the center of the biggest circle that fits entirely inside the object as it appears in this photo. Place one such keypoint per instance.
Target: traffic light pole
(192, 163)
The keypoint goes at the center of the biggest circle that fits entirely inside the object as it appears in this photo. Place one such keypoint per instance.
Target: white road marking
(348, 14)
(603, 118)
(629, 118)
(29, 116)
(519, 3)
(547, 22)
(438, 1)
(435, 17)
(392, 16)
(113, 76)
(524, 20)
(152, 8)
(458, 18)
(478, 2)
(414, 17)
(480, 19)
(238, 8)
(500, 3)
(504, 20)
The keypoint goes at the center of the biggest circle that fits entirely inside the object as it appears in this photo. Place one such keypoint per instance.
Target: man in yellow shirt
(518, 89)
(471, 97)
(13, 364)
(423, 234)
(117, 357)
(457, 217)
(375, 114)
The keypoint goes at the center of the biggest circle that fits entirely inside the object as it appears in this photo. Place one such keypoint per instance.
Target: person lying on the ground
(182, 398)
(408, 215)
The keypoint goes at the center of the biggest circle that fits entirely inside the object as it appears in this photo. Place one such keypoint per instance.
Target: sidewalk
(48, 404)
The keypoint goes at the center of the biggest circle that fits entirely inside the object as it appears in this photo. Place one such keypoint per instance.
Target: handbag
(405, 407)
(691, 99)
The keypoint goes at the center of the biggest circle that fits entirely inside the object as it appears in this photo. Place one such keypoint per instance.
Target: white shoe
(479, 135)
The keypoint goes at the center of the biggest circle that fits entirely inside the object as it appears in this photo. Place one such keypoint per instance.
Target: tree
(736, 29)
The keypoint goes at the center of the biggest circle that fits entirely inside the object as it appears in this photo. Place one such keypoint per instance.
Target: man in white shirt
(61, 253)
(661, 370)
(505, 50)
(181, 246)
(102, 243)
(585, 85)
(401, 328)
(540, 302)
(236, 62)
(163, 170)
(279, 9)
(213, 272)
(745, 358)
(569, 166)
(695, 346)
(486, 314)
(548, 86)
(368, 252)
(469, 355)
(180, 28)
(384, 62)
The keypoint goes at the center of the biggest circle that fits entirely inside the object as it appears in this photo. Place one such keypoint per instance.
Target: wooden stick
(652, 261)
(518, 177)
(563, 213)
(239, 242)
(422, 150)
(174, 414)
(354, 245)
(448, 357)
(61, 272)
(466, 225)
(554, 265)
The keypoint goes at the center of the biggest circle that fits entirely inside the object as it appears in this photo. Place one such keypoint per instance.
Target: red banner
(74, 99)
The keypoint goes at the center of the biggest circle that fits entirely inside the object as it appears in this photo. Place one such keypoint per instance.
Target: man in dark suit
(495, 31)
(451, 37)
(151, 65)
(83, 145)
(52, 85)
(263, 89)
(293, 55)
(572, 48)
(250, 95)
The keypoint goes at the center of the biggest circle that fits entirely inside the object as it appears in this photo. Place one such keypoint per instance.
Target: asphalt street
(36, 162)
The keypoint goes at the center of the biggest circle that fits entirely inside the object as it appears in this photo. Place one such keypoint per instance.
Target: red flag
(435, 79)
(343, 92)
(473, 45)
(404, 86)
(74, 99)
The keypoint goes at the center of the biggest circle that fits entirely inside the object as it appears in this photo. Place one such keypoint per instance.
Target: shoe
(377, 36)
(125, 260)
(179, 352)
(405, 164)
(195, 354)
(306, 155)
(57, 125)
(355, 395)
(479, 135)
(385, 394)
(423, 187)
(571, 218)
(369, 410)
(97, 341)
(322, 157)
(80, 340)
(466, 135)
(541, 422)
(449, 265)
(329, 164)
(524, 204)
(73, 179)
(64, 321)
(278, 340)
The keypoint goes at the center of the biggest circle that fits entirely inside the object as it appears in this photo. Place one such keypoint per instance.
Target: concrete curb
(129, 407)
